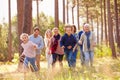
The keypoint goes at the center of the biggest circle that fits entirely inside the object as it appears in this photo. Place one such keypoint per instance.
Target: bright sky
(46, 6)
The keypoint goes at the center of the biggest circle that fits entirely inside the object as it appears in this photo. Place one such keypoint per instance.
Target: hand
(94, 44)
(69, 47)
(74, 49)
(80, 42)
(63, 47)
(35, 47)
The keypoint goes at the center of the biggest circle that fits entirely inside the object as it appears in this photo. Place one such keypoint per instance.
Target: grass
(104, 68)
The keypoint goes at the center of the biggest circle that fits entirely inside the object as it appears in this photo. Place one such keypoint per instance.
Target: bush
(102, 50)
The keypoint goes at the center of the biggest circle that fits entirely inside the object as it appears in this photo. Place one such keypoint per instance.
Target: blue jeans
(69, 54)
(89, 58)
(82, 56)
(32, 62)
(74, 56)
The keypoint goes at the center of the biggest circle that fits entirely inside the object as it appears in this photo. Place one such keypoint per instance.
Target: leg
(74, 57)
(87, 58)
(38, 61)
(91, 58)
(70, 59)
(82, 57)
(26, 60)
(60, 59)
(49, 59)
(54, 55)
(32, 62)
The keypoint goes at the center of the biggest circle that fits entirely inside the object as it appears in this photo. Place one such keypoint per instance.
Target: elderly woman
(88, 41)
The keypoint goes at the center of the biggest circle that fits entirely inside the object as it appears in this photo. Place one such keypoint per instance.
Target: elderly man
(38, 40)
(88, 41)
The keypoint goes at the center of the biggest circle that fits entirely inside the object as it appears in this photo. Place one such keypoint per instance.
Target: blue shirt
(68, 41)
(38, 41)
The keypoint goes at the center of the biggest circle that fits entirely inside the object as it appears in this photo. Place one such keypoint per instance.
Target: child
(29, 51)
(48, 35)
(57, 51)
(67, 42)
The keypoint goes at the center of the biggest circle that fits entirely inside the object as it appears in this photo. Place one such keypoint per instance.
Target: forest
(102, 15)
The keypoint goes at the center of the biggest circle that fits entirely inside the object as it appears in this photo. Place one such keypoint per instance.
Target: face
(55, 30)
(68, 30)
(24, 38)
(36, 32)
(49, 34)
(86, 28)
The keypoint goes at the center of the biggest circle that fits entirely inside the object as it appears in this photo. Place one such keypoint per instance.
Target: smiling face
(55, 31)
(68, 30)
(86, 28)
(24, 37)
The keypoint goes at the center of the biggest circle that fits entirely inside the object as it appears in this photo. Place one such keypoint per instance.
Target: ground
(104, 68)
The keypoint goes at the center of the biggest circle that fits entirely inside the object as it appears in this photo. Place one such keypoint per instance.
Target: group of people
(58, 45)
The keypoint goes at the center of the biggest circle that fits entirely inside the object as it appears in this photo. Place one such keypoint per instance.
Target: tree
(105, 24)
(27, 21)
(101, 7)
(110, 31)
(78, 14)
(20, 12)
(116, 23)
(67, 11)
(9, 33)
(56, 14)
(63, 11)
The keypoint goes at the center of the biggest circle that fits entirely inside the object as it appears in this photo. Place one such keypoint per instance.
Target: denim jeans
(82, 56)
(74, 56)
(89, 58)
(69, 54)
(32, 62)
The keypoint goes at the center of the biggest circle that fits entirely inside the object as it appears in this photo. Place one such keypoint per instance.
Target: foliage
(102, 51)
(3, 44)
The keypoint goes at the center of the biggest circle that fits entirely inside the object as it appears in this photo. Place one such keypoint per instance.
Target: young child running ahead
(29, 51)
(68, 42)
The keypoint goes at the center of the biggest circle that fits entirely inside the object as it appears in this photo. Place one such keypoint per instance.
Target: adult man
(38, 40)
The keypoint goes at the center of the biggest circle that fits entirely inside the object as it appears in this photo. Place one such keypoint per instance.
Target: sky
(46, 6)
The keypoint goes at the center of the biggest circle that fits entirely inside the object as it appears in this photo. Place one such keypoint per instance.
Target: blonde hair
(46, 33)
(23, 34)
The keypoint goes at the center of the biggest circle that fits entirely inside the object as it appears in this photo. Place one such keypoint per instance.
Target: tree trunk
(72, 15)
(97, 31)
(20, 11)
(78, 14)
(105, 25)
(56, 14)
(27, 24)
(116, 23)
(9, 33)
(67, 11)
(63, 11)
(87, 14)
(101, 1)
(37, 3)
(110, 30)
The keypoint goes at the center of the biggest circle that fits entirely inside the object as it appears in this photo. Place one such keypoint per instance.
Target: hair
(46, 33)
(36, 28)
(68, 26)
(23, 34)
(54, 28)
(74, 28)
(86, 25)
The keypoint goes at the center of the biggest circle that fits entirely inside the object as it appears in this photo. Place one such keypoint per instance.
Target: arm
(62, 42)
(41, 44)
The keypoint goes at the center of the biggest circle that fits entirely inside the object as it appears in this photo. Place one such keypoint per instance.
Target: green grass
(104, 68)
